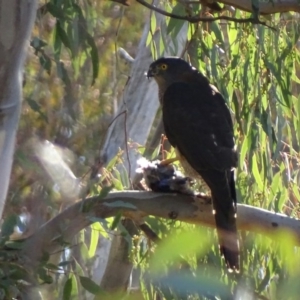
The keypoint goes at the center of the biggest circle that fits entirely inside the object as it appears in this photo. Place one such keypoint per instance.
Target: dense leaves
(74, 83)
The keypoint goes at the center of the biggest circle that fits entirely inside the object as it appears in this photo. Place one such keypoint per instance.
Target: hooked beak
(151, 72)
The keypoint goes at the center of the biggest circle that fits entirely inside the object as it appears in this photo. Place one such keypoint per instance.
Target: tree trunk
(16, 21)
(141, 105)
(140, 102)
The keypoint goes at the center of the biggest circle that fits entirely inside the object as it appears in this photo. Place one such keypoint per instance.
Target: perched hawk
(198, 125)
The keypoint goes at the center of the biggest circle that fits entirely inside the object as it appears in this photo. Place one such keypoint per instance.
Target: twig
(126, 147)
(98, 161)
(150, 234)
(125, 55)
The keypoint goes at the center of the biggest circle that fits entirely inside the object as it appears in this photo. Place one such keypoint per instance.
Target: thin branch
(265, 8)
(137, 205)
(119, 266)
(125, 55)
(196, 19)
(99, 161)
(126, 148)
(149, 233)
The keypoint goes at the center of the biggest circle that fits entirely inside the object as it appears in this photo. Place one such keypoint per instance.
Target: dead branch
(136, 205)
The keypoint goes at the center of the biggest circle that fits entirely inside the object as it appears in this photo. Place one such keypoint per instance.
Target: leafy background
(73, 86)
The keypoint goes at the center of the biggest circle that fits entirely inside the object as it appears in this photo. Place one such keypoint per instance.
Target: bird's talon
(168, 161)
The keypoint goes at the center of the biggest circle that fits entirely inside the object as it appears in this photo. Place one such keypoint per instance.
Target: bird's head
(167, 70)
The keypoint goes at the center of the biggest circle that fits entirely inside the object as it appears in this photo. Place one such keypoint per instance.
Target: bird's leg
(168, 161)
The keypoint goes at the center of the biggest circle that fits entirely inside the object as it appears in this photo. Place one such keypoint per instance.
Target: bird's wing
(198, 123)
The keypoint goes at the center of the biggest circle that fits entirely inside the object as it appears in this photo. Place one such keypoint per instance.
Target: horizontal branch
(268, 8)
(265, 8)
(137, 205)
(197, 19)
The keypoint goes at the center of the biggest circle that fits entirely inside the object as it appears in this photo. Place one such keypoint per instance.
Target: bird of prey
(198, 125)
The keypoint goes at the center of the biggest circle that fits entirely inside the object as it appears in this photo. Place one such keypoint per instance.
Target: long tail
(224, 203)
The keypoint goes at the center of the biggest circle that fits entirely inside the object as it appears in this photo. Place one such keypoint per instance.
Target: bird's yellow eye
(164, 67)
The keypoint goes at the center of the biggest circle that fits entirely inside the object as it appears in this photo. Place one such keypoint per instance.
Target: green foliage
(72, 80)
(90, 285)
(185, 245)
